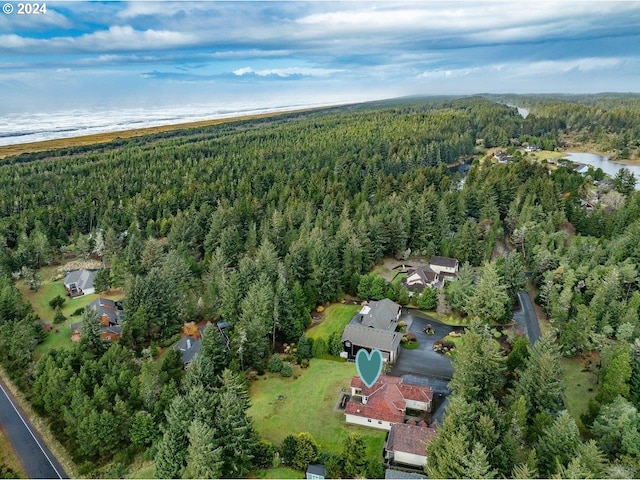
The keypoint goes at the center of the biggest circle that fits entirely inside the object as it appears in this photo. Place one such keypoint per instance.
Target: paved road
(423, 360)
(36, 458)
(526, 318)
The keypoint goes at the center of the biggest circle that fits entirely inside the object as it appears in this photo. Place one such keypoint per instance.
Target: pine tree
(171, 453)
(489, 300)
(558, 445)
(204, 454)
(476, 464)
(540, 381)
(353, 457)
(90, 340)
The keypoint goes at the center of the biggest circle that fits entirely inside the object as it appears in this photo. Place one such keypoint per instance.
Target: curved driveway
(424, 361)
(526, 318)
(36, 458)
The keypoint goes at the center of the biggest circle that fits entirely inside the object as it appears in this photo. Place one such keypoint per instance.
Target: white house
(79, 282)
(444, 265)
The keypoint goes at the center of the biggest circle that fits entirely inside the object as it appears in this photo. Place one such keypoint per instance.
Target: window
(379, 422)
(369, 420)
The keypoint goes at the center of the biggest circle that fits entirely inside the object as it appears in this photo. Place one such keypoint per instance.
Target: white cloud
(286, 72)
(116, 38)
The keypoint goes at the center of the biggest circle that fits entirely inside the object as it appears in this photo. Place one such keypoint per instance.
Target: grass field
(60, 335)
(280, 472)
(336, 317)
(580, 387)
(8, 458)
(285, 406)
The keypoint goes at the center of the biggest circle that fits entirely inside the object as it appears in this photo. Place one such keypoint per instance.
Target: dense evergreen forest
(258, 222)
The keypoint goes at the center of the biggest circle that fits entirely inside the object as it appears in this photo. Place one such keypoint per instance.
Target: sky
(145, 55)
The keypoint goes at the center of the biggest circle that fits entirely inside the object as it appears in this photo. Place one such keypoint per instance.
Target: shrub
(288, 449)
(57, 302)
(306, 451)
(59, 316)
(410, 337)
(78, 311)
(263, 454)
(402, 326)
(304, 348)
(275, 364)
(286, 370)
(319, 348)
(304, 363)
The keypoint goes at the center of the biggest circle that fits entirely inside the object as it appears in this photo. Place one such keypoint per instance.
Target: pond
(607, 166)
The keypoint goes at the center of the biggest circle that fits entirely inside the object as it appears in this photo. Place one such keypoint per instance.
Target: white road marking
(30, 431)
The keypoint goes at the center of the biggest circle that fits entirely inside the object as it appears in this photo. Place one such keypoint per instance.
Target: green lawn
(307, 405)
(577, 384)
(281, 472)
(336, 317)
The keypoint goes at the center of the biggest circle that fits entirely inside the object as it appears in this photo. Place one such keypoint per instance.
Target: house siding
(410, 459)
(416, 405)
(368, 422)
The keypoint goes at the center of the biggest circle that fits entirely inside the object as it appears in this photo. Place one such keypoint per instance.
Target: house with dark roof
(420, 278)
(357, 337)
(316, 471)
(189, 347)
(385, 402)
(382, 314)
(407, 443)
(109, 312)
(446, 267)
(79, 282)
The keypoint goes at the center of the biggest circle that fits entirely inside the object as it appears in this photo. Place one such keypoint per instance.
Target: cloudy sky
(164, 54)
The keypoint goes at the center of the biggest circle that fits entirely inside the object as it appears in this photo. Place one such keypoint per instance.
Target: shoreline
(106, 137)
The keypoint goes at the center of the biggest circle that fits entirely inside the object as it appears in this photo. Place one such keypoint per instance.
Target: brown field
(8, 457)
(10, 150)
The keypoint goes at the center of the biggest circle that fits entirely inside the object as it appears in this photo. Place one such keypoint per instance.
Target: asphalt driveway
(423, 361)
(526, 319)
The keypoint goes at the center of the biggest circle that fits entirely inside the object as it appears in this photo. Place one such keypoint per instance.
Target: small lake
(607, 166)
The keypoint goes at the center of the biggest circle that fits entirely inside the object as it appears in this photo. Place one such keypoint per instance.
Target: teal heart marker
(369, 366)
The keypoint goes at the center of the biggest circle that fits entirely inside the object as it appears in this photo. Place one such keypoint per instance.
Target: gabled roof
(427, 277)
(189, 347)
(443, 261)
(380, 314)
(104, 306)
(83, 279)
(317, 469)
(386, 398)
(407, 438)
(371, 337)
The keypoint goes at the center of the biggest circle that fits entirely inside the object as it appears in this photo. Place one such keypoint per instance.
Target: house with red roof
(407, 443)
(385, 402)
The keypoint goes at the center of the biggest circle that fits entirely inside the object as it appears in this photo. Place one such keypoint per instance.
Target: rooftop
(371, 337)
(386, 398)
(404, 437)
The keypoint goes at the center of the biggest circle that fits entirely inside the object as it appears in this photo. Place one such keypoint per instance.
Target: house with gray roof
(189, 347)
(356, 337)
(79, 282)
(109, 312)
(382, 314)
